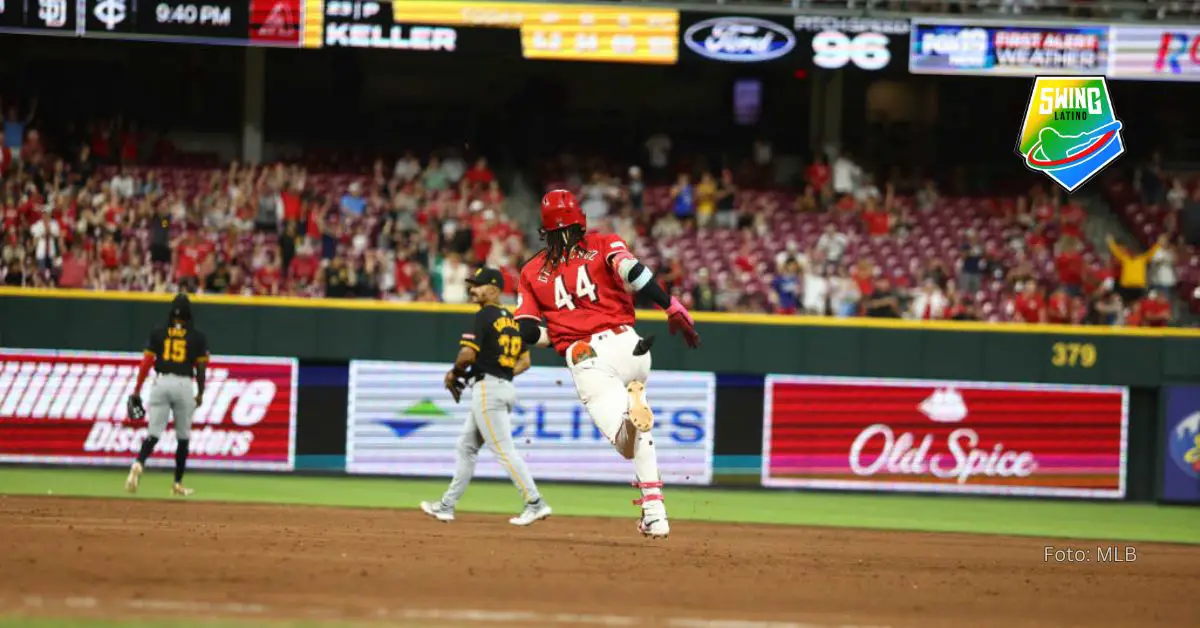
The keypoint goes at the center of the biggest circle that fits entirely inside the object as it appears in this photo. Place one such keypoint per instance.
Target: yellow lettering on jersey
(176, 332)
(505, 323)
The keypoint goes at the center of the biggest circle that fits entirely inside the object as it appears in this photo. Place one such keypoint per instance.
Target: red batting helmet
(560, 209)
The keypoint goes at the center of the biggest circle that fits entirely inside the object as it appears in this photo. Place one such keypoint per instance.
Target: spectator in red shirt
(1029, 306)
(1044, 212)
(74, 271)
(1072, 217)
(110, 255)
(188, 257)
(511, 275)
(493, 197)
(102, 142)
(863, 275)
(1069, 264)
(290, 198)
(877, 220)
(1155, 310)
(408, 274)
(268, 278)
(962, 308)
(818, 176)
(129, 145)
(479, 175)
(1037, 241)
(6, 155)
(302, 271)
(743, 260)
(1059, 309)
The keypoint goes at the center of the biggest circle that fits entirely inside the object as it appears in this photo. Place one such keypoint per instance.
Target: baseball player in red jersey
(582, 285)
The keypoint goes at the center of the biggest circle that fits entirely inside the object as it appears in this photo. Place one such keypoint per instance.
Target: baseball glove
(134, 408)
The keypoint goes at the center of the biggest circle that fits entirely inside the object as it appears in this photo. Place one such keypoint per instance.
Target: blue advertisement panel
(401, 422)
(979, 48)
(1181, 444)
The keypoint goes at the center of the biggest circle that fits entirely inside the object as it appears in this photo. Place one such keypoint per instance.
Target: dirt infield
(123, 558)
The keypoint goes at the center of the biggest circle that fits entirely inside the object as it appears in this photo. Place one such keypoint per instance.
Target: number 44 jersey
(580, 297)
(177, 349)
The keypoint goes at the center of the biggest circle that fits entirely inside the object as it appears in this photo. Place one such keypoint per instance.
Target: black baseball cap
(181, 308)
(487, 277)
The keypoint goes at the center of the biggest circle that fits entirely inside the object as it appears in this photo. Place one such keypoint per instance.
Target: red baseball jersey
(582, 296)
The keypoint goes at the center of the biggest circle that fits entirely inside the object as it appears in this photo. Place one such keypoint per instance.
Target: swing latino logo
(1070, 131)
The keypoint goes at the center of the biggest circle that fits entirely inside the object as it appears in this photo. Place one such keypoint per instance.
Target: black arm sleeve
(531, 332)
(651, 290)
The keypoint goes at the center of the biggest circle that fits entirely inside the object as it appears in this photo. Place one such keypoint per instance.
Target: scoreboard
(577, 32)
(229, 22)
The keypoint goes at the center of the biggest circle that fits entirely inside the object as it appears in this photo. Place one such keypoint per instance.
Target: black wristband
(655, 293)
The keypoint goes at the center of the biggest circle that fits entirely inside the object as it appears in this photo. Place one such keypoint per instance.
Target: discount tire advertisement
(946, 437)
(402, 422)
(63, 407)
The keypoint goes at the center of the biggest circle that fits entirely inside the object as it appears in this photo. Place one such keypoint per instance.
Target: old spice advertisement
(63, 407)
(937, 436)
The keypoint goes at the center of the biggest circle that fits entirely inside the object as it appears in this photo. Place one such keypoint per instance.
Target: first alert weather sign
(1070, 131)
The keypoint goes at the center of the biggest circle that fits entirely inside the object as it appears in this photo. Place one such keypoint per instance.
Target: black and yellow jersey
(177, 349)
(497, 341)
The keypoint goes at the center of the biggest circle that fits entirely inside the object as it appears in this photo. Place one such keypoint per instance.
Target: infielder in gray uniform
(494, 354)
(177, 352)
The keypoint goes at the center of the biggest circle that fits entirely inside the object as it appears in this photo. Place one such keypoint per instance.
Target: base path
(179, 559)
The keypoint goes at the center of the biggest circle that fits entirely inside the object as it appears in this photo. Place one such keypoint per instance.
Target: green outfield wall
(741, 349)
(339, 331)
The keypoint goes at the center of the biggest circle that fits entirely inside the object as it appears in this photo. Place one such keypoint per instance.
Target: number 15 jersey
(177, 349)
(582, 296)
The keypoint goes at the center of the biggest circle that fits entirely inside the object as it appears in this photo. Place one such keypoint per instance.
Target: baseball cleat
(534, 511)
(438, 511)
(639, 411)
(179, 490)
(134, 478)
(654, 528)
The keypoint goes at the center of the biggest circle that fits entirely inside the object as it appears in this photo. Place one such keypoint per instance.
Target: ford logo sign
(739, 39)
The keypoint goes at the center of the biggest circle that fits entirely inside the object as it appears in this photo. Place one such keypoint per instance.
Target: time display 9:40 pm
(192, 13)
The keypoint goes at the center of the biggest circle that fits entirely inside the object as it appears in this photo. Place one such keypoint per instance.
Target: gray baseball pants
(172, 395)
(490, 421)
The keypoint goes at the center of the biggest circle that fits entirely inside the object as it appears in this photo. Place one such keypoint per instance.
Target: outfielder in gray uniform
(177, 352)
(490, 356)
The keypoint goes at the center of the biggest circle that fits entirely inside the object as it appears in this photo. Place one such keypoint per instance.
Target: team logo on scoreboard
(275, 21)
(110, 13)
(52, 13)
(1070, 132)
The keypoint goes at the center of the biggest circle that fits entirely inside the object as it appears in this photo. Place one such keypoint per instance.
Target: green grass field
(1027, 517)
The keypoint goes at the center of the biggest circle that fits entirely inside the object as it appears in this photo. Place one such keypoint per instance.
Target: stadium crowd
(93, 215)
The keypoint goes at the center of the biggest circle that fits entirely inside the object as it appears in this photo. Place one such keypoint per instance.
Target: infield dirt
(124, 558)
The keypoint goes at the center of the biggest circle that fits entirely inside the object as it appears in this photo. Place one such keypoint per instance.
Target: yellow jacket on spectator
(1133, 267)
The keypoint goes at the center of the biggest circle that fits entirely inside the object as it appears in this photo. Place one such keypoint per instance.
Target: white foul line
(480, 616)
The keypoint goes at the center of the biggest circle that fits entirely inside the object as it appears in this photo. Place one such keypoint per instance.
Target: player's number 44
(584, 287)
